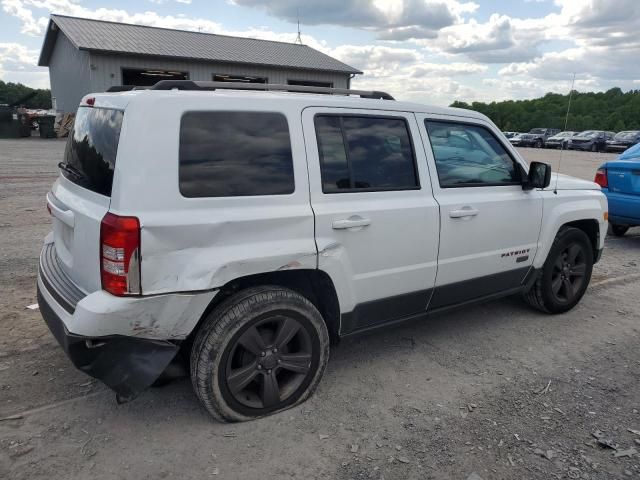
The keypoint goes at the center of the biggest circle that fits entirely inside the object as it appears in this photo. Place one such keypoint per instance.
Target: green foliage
(13, 92)
(612, 110)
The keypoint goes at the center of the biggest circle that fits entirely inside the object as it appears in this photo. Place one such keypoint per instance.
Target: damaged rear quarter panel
(196, 244)
(207, 249)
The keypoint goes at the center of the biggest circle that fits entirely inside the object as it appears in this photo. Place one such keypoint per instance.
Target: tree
(13, 92)
(613, 110)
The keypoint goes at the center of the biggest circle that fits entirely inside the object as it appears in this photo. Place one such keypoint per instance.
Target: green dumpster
(45, 124)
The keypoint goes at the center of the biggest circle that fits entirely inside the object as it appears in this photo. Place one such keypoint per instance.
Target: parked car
(623, 140)
(249, 228)
(560, 140)
(537, 137)
(515, 139)
(510, 134)
(591, 140)
(620, 182)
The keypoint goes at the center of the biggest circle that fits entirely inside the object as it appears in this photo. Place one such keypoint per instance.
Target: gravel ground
(496, 389)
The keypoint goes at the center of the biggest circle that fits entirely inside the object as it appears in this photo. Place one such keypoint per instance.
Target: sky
(431, 51)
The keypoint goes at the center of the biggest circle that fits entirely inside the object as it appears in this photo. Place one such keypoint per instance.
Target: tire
(594, 148)
(539, 143)
(550, 292)
(235, 336)
(618, 230)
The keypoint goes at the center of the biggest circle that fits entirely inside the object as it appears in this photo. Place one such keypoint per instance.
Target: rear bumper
(616, 148)
(624, 209)
(580, 146)
(127, 365)
(126, 342)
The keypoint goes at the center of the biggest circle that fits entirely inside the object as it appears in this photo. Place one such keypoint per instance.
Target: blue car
(620, 182)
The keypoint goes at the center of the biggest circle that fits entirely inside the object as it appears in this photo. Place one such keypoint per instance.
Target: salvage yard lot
(496, 389)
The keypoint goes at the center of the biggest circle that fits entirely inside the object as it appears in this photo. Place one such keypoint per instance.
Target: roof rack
(124, 88)
(203, 85)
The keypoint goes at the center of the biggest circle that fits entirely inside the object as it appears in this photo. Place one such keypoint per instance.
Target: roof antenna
(298, 38)
(566, 122)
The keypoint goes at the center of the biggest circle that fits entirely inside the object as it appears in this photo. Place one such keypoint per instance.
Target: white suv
(249, 228)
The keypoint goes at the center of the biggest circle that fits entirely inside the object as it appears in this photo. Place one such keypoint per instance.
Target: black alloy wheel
(563, 279)
(268, 362)
(568, 274)
(261, 350)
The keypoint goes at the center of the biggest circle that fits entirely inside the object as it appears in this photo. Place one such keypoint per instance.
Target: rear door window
(90, 155)
(232, 154)
(365, 153)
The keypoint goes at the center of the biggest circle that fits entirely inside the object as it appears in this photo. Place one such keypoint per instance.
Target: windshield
(588, 133)
(90, 156)
(538, 130)
(627, 135)
(566, 134)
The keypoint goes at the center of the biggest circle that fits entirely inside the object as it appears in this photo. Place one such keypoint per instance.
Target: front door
(489, 225)
(377, 222)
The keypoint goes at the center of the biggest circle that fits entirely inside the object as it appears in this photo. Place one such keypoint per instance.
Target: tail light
(601, 178)
(120, 255)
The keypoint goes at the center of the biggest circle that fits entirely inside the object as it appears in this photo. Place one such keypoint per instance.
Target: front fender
(565, 207)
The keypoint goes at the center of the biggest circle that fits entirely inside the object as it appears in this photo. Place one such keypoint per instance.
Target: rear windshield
(90, 156)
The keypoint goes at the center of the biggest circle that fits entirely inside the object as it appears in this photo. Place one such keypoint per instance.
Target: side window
(470, 155)
(365, 153)
(230, 154)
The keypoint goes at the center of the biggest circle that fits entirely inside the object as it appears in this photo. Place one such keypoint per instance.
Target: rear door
(80, 198)
(376, 218)
(489, 225)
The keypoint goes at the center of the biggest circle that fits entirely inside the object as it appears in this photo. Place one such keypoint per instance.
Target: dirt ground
(497, 389)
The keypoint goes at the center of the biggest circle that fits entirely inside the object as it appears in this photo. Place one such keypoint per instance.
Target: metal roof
(125, 38)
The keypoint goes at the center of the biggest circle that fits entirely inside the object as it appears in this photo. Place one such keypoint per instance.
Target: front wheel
(565, 275)
(261, 351)
(539, 143)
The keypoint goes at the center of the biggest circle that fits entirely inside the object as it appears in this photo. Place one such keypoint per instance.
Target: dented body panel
(202, 243)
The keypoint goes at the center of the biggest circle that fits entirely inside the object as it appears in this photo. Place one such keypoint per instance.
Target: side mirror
(539, 176)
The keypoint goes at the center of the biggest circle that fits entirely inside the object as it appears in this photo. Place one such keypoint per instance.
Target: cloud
(447, 69)
(433, 51)
(391, 19)
(35, 26)
(18, 63)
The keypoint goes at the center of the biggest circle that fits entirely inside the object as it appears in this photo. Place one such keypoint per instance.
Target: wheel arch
(591, 228)
(315, 285)
(584, 211)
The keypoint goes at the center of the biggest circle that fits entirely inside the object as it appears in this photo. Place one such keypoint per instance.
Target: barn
(85, 55)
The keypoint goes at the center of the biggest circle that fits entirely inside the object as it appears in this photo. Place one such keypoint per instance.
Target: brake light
(601, 178)
(120, 254)
(90, 101)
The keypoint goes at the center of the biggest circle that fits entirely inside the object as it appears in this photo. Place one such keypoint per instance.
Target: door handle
(352, 222)
(463, 212)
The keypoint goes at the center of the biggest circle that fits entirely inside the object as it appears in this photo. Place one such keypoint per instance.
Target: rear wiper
(70, 169)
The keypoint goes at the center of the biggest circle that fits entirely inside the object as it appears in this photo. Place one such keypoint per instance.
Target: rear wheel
(565, 275)
(261, 351)
(594, 148)
(619, 230)
(538, 143)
